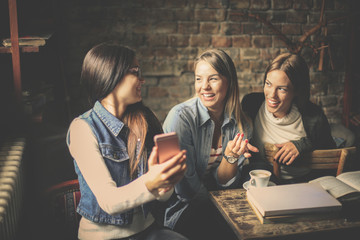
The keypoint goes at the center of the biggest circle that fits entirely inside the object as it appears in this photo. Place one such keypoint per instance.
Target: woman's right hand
(162, 177)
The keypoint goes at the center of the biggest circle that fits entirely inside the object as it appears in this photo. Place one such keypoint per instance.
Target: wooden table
(234, 207)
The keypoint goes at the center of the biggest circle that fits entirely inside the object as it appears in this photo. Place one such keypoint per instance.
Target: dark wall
(168, 34)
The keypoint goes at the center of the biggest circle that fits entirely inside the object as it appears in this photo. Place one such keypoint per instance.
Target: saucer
(247, 184)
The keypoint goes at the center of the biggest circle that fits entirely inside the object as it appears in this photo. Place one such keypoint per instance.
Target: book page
(351, 178)
(334, 186)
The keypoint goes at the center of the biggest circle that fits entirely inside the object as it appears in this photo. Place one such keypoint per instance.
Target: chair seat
(62, 201)
(339, 159)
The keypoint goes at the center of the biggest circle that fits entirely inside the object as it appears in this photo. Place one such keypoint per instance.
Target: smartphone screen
(168, 145)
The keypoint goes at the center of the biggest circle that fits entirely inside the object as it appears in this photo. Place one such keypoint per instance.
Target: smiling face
(210, 87)
(279, 93)
(128, 90)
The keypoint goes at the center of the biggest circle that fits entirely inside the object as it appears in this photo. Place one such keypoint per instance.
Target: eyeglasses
(135, 71)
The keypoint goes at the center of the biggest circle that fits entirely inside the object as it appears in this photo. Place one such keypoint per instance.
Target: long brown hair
(297, 71)
(103, 68)
(224, 65)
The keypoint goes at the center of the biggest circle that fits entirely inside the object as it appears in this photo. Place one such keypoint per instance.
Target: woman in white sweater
(114, 154)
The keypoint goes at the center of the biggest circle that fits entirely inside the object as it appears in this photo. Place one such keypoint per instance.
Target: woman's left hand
(239, 146)
(287, 153)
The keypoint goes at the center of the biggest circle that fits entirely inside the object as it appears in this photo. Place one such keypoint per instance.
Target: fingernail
(238, 134)
(246, 141)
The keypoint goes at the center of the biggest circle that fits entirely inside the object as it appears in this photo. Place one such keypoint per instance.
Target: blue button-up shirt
(191, 121)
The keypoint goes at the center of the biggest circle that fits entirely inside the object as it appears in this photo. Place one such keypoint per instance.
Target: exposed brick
(221, 41)
(188, 27)
(174, 4)
(184, 14)
(168, 34)
(154, 102)
(152, 4)
(179, 66)
(200, 40)
(329, 5)
(218, 3)
(157, 68)
(278, 16)
(291, 29)
(241, 41)
(240, 4)
(303, 5)
(249, 53)
(157, 92)
(268, 54)
(168, 81)
(278, 43)
(262, 41)
(187, 78)
(151, 81)
(234, 53)
(165, 27)
(164, 52)
(231, 28)
(209, 28)
(241, 65)
(252, 28)
(259, 4)
(209, 15)
(160, 15)
(281, 4)
(237, 15)
(258, 66)
(187, 53)
(159, 40)
(179, 40)
(296, 17)
(270, 31)
(198, 3)
(179, 91)
(329, 100)
(314, 17)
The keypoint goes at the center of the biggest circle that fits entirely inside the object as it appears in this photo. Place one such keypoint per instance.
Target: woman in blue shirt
(114, 158)
(215, 132)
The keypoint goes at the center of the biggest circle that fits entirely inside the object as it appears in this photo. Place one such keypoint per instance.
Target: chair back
(62, 200)
(338, 159)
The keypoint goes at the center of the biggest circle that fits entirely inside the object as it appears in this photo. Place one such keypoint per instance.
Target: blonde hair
(224, 65)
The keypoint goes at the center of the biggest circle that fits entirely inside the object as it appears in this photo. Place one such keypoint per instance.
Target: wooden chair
(337, 159)
(61, 203)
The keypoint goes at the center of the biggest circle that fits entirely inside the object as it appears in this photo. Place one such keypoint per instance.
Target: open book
(345, 187)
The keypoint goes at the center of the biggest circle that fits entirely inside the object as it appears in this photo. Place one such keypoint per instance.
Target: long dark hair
(297, 71)
(103, 68)
(224, 65)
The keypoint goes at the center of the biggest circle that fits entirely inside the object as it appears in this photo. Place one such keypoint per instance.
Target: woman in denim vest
(112, 146)
(215, 132)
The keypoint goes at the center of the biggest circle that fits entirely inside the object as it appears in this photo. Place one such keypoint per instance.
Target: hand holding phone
(168, 145)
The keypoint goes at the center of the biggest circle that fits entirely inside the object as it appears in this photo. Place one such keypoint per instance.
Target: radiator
(11, 190)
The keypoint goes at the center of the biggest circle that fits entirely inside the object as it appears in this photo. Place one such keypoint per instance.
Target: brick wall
(168, 34)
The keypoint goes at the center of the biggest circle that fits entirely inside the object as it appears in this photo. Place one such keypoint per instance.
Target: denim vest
(111, 135)
(192, 122)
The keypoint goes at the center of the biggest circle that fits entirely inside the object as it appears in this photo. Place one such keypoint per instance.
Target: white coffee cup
(259, 178)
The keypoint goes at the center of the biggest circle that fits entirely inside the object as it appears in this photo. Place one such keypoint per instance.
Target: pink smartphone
(168, 145)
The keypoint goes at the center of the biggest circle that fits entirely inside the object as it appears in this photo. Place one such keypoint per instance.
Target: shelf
(23, 49)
